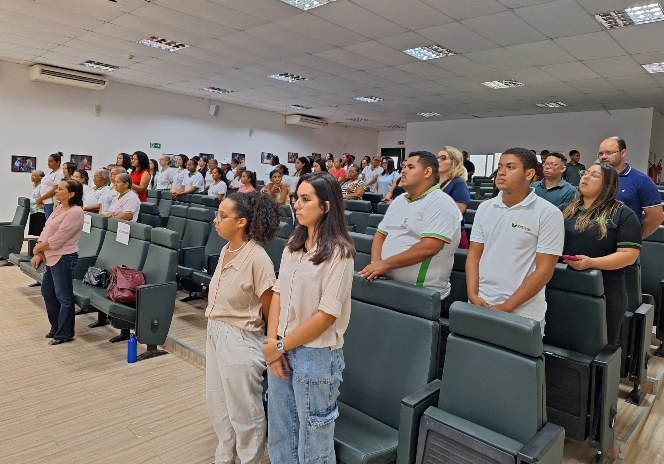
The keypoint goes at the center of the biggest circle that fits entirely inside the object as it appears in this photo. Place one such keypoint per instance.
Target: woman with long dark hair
(308, 317)
(302, 166)
(49, 184)
(140, 174)
(154, 169)
(57, 248)
(181, 172)
(602, 233)
(124, 160)
(387, 180)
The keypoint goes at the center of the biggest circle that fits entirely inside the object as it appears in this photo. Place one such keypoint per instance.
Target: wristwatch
(280, 347)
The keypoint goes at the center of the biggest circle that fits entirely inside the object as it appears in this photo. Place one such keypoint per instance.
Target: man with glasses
(553, 188)
(636, 189)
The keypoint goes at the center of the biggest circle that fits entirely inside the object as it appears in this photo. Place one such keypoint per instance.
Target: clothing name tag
(123, 233)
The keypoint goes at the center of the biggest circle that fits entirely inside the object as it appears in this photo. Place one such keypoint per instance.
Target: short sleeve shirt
(371, 174)
(561, 193)
(126, 203)
(636, 190)
(458, 190)
(512, 237)
(194, 180)
(235, 290)
(89, 196)
(406, 222)
(351, 185)
(218, 188)
(305, 288)
(47, 183)
(164, 178)
(178, 178)
(385, 181)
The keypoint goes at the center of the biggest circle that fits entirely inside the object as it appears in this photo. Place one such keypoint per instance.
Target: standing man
(553, 188)
(636, 190)
(515, 243)
(165, 175)
(574, 168)
(417, 238)
(371, 173)
(470, 167)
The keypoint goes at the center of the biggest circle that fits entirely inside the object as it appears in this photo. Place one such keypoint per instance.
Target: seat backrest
(576, 311)
(162, 257)
(286, 214)
(395, 321)
(372, 224)
(22, 212)
(361, 206)
(652, 267)
(149, 214)
(196, 199)
(198, 226)
(275, 248)
(381, 208)
(372, 197)
(90, 243)
(154, 196)
(362, 250)
(114, 253)
(469, 216)
(210, 202)
(633, 286)
(177, 220)
(357, 214)
(458, 290)
(494, 371)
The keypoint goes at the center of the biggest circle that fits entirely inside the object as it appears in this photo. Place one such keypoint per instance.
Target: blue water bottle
(131, 349)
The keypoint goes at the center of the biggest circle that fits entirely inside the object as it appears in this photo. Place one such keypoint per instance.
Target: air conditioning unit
(305, 121)
(43, 73)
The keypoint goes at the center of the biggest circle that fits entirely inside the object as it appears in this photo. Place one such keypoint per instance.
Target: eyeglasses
(551, 165)
(607, 153)
(585, 172)
(221, 216)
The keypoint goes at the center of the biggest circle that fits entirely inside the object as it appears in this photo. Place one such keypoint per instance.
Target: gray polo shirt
(561, 193)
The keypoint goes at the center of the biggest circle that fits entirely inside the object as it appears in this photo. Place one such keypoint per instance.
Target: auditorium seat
(372, 197)
(582, 370)
(11, 233)
(196, 232)
(276, 247)
(196, 259)
(153, 196)
(652, 277)
(165, 202)
(381, 208)
(362, 250)
(490, 405)
(155, 301)
(372, 225)
(149, 214)
(357, 212)
(177, 219)
(390, 352)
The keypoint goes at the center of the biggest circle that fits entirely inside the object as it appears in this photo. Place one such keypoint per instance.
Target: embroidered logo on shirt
(405, 222)
(516, 225)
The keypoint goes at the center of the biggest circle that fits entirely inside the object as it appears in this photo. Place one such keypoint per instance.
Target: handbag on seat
(96, 277)
(124, 282)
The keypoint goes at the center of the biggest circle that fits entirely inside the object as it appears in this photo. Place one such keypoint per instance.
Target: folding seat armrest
(605, 380)
(212, 262)
(644, 318)
(5, 224)
(412, 408)
(546, 447)
(648, 299)
(82, 265)
(155, 304)
(192, 257)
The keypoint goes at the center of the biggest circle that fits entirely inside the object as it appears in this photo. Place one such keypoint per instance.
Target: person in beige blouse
(238, 303)
(308, 317)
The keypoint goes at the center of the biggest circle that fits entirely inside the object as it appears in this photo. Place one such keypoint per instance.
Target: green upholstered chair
(165, 202)
(149, 214)
(582, 370)
(390, 351)
(358, 212)
(490, 406)
(11, 233)
(155, 301)
(177, 218)
(113, 253)
(196, 259)
(381, 208)
(276, 247)
(372, 197)
(372, 224)
(652, 278)
(362, 249)
(153, 196)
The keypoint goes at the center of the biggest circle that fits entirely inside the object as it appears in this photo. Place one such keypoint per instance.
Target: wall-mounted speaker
(214, 110)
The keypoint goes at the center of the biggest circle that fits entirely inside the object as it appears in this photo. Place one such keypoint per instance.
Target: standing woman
(154, 169)
(453, 176)
(239, 300)
(124, 160)
(302, 166)
(308, 316)
(68, 170)
(140, 174)
(602, 233)
(49, 184)
(388, 177)
(57, 247)
(180, 173)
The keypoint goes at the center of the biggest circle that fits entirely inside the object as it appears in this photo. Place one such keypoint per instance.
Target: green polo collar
(431, 189)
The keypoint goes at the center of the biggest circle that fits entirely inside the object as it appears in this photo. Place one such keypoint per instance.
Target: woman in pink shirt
(248, 181)
(57, 248)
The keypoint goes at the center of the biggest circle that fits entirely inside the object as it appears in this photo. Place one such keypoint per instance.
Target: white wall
(390, 139)
(37, 119)
(657, 138)
(560, 131)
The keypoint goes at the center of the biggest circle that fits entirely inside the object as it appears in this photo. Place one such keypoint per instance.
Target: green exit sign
(155, 145)
(400, 142)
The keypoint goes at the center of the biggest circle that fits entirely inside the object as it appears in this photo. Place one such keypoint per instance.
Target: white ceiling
(353, 48)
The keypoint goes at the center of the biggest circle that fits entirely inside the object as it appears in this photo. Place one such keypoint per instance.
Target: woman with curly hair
(239, 300)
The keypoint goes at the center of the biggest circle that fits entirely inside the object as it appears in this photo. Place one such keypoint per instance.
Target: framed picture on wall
(266, 157)
(82, 161)
(292, 157)
(239, 157)
(208, 155)
(23, 163)
(316, 156)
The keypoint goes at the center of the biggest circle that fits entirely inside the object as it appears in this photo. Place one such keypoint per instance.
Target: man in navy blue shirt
(636, 190)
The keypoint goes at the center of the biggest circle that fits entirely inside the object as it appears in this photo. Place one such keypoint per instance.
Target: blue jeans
(302, 408)
(58, 291)
(48, 209)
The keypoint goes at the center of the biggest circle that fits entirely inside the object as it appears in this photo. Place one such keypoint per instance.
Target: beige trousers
(233, 375)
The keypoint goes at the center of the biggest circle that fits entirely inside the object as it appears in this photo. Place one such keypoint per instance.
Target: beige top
(305, 288)
(235, 290)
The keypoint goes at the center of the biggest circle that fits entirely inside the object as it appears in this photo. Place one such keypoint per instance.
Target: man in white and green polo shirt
(420, 232)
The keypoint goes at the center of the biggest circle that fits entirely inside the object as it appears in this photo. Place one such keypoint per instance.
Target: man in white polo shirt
(515, 243)
(417, 238)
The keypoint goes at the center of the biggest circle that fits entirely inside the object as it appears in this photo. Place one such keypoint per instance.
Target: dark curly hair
(261, 212)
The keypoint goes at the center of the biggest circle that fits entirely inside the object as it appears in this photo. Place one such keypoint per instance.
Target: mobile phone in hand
(570, 258)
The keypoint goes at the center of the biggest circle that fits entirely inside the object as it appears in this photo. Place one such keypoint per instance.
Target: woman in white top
(81, 175)
(387, 177)
(165, 174)
(49, 184)
(126, 204)
(218, 187)
(180, 173)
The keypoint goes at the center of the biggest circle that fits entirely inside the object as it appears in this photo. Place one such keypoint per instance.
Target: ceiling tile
(395, 75)
(431, 87)
(467, 8)
(534, 76)
(499, 59)
(599, 6)
(313, 26)
(159, 29)
(592, 85)
(640, 39)
(426, 70)
(405, 41)
(627, 83)
(413, 14)
(358, 19)
(181, 20)
(381, 53)
(347, 58)
(266, 47)
(209, 55)
(278, 34)
(591, 46)
(504, 28)
(212, 12)
(570, 71)
(571, 19)
(103, 11)
(541, 53)
(264, 9)
(615, 67)
(521, 3)
(23, 20)
(457, 38)
(51, 14)
(460, 65)
(321, 64)
(368, 79)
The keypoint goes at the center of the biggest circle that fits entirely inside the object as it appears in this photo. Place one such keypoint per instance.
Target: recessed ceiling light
(394, 127)
(288, 77)
(557, 104)
(307, 4)
(217, 90)
(98, 65)
(358, 119)
(429, 114)
(631, 16)
(370, 99)
(298, 107)
(429, 52)
(504, 84)
(653, 68)
(162, 44)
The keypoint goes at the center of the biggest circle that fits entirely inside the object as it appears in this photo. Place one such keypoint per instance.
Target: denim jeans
(48, 209)
(302, 408)
(58, 292)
